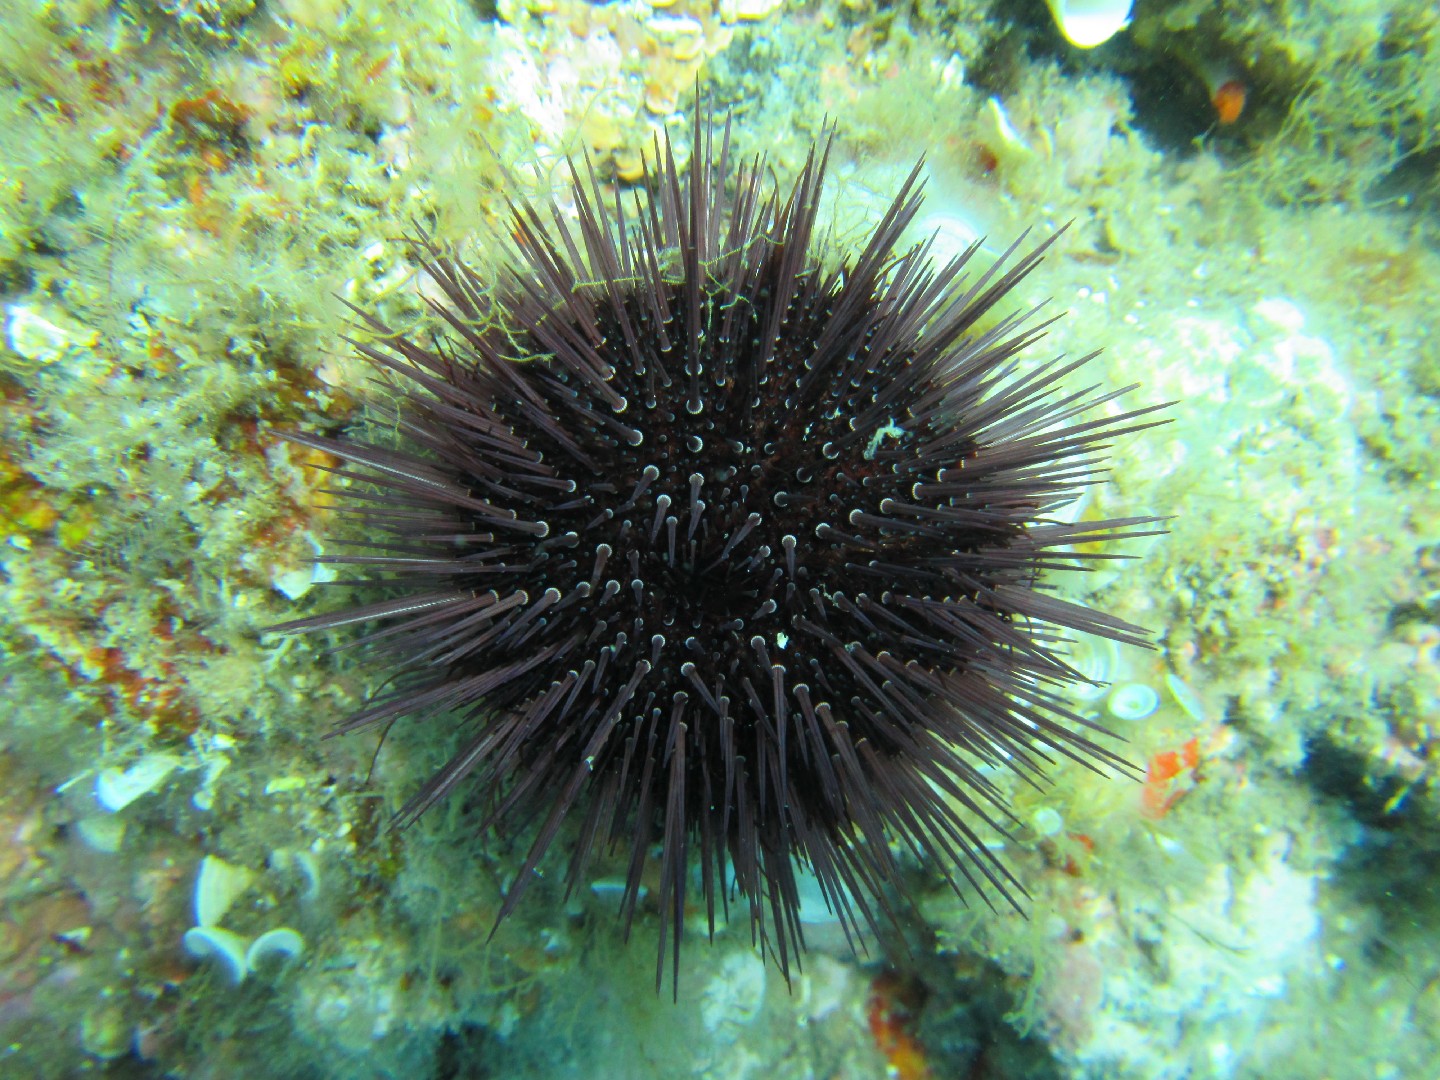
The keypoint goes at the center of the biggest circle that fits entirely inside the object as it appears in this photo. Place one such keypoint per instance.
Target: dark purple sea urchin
(711, 545)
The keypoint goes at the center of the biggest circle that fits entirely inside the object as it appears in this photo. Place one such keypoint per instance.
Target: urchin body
(715, 548)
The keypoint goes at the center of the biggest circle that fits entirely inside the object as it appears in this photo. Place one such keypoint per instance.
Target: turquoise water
(1238, 882)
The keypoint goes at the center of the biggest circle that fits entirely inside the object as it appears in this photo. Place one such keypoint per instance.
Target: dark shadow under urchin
(717, 546)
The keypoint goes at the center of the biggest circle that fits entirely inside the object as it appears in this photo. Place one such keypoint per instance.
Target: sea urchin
(713, 544)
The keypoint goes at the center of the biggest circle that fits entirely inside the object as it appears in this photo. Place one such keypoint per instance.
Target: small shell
(674, 27)
(302, 862)
(1087, 23)
(1004, 140)
(1098, 659)
(733, 11)
(44, 337)
(1132, 701)
(952, 232)
(282, 942)
(101, 832)
(293, 582)
(1046, 821)
(227, 949)
(116, 789)
(1186, 698)
(216, 886)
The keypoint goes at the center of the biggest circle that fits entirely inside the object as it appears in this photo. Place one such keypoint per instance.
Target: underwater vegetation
(715, 545)
(194, 883)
